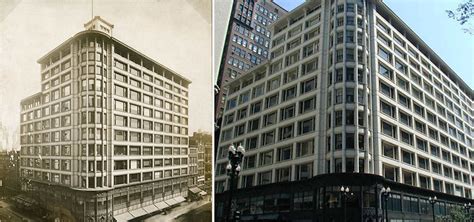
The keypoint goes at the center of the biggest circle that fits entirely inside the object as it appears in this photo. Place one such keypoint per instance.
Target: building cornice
(426, 50)
(115, 40)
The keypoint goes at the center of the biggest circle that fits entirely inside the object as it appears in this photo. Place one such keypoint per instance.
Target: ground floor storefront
(118, 204)
(321, 199)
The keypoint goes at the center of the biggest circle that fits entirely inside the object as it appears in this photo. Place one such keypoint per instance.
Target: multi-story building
(208, 163)
(350, 89)
(107, 137)
(246, 44)
(193, 166)
(202, 142)
(9, 173)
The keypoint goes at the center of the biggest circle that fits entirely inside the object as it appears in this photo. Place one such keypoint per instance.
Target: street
(195, 211)
(201, 214)
(7, 214)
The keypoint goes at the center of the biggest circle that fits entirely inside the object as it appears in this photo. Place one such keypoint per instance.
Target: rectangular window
(385, 55)
(385, 71)
(308, 85)
(287, 112)
(307, 105)
(305, 126)
(304, 148)
(286, 132)
(271, 100)
(289, 93)
(269, 119)
(266, 158)
(388, 129)
(268, 138)
(304, 171)
(387, 109)
(390, 150)
(284, 153)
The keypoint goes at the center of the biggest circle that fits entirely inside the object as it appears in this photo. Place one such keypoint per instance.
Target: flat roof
(31, 97)
(47, 55)
(402, 27)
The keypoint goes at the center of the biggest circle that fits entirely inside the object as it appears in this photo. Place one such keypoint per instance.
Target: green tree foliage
(457, 214)
(463, 14)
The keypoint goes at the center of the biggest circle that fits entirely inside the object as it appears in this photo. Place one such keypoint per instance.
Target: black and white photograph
(106, 110)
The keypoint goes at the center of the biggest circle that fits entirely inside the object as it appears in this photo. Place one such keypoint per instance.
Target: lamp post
(235, 157)
(432, 202)
(467, 208)
(345, 193)
(385, 194)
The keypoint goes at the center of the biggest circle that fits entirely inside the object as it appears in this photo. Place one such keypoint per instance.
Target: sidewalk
(176, 212)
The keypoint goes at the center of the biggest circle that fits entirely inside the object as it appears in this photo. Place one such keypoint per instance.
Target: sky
(428, 19)
(174, 33)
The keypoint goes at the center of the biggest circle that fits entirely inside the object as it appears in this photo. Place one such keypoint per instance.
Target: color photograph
(344, 110)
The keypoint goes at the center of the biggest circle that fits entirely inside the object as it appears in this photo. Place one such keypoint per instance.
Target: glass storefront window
(243, 206)
(256, 205)
(394, 202)
(369, 197)
(283, 203)
(303, 201)
(332, 197)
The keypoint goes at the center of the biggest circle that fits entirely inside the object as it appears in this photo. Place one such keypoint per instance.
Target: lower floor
(340, 197)
(118, 204)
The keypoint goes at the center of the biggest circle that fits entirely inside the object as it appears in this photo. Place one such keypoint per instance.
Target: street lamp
(385, 194)
(235, 157)
(345, 193)
(467, 208)
(432, 202)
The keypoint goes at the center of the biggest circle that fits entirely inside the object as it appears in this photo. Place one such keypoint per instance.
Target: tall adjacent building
(246, 44)
(351, 97)
(106, 138)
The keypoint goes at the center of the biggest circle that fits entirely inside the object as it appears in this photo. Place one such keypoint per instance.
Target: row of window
(408, 177)
(269, 119)
(123, 150)
(148, 176)
(147, 99)
(252, 47)
(57, 81)
(429, 102)
(420, 110)
(148, 163)
(420, 126)
(383, 29)
(66, 64)
(53, 164)
(149, 78)
(243, 54)
(167, 93)
(330, 197)
(244, 14)
(407, 157)
(137, 123)
(126, 107)
(266, 12)
(301, 172)
(130, 136)
(47, 176)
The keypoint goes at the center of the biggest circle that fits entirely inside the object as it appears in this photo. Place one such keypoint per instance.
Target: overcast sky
(175, 33)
